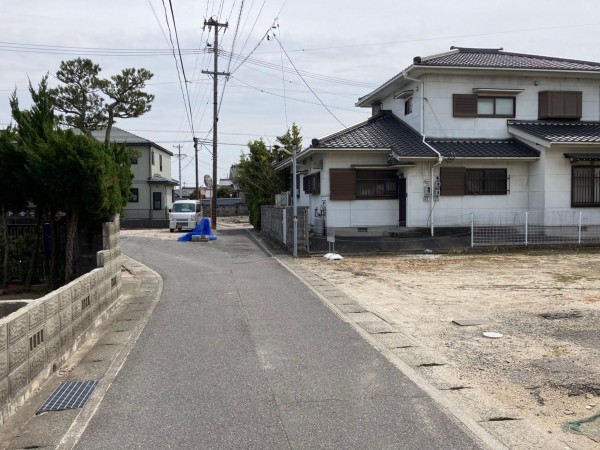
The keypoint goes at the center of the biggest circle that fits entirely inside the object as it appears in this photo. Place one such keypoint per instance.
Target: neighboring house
(152, 185)
(470, 131)
(185, 192)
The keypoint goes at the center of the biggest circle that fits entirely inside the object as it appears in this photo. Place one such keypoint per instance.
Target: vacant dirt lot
(546, 305)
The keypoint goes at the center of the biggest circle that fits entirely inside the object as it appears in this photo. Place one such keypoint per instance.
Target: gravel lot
(546, 305)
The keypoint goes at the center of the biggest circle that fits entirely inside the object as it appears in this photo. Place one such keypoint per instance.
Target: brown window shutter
(342, 184)
(464, 105)
(452, 181)
(572, 105)
(559, 104)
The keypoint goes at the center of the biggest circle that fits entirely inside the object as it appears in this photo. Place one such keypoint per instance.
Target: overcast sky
(342, 48)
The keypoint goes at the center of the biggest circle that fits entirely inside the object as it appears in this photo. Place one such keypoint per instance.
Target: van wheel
(171, 230)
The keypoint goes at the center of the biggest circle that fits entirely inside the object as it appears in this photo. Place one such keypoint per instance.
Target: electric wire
(307, 85)
(176, 63)
(72, 50)
(191, 117)
(354, 110)
(287, 123)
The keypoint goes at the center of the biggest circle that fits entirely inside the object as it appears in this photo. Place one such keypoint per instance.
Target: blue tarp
(202, 229)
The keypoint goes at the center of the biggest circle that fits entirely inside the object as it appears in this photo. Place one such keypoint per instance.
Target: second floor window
(408, 106)
(471, 105)
(160, 161)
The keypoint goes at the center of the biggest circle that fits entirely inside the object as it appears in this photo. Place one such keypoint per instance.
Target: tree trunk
(5, 242)
(111, 115)
(35, 246)
(72, 223)
(52, 276)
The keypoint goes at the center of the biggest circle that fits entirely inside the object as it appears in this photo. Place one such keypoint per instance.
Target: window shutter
(572, 105)
(452, 181)
(559, 104)
(464, 105)
(342, 184)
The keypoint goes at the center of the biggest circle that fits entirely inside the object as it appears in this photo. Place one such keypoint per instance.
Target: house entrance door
(401, 201)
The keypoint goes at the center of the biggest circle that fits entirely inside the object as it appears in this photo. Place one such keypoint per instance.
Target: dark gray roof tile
(483, 148)
(498, 59)
(560, 132)
(384, 131)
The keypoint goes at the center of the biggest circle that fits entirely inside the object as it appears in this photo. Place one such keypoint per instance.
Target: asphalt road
(239, 353)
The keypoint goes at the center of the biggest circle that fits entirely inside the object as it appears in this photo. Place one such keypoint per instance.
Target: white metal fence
(535, 227)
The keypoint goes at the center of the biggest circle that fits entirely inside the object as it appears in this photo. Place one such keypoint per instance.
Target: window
(559, 105)
(471, 105)
(152, 158)
(134, 160)
(462, 181)
(585, 186)
(349, 184)
(160, 161)
(408, 106)
(134, 195)
(311, 184)
(156, 200)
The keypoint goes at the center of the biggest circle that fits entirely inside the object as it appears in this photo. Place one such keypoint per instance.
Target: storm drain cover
(69, 395)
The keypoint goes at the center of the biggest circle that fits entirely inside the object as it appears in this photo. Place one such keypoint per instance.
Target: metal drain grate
(69, 395)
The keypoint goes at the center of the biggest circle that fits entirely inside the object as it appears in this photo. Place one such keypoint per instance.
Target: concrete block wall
(272, 226)
(36, 339)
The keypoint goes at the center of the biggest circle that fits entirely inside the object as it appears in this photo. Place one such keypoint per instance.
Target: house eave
(312, 150)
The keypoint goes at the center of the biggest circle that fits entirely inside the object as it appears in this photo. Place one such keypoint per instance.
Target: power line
(292, 98)
(307, 85)
(176, 63)
(182, 67)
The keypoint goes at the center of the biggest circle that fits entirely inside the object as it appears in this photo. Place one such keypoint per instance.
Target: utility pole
(178, 147)
(212, 22)
(196, 164)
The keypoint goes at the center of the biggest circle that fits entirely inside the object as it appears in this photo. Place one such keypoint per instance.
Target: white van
(185, 214)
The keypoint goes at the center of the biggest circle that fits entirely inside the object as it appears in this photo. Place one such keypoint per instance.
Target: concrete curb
(460, 406)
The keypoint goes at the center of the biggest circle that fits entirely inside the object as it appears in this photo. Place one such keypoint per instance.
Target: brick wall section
(271, 226)
(36, 339)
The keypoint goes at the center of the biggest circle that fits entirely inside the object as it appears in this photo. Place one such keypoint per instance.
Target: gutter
(440, 158)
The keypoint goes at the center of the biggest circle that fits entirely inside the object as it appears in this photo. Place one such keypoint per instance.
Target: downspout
(439, 155)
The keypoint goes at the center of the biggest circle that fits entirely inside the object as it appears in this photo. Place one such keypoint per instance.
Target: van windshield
(184, 207)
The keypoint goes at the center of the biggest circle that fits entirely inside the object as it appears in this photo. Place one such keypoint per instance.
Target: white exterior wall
(143, 170)
(456, 210)
(439, 89)
(397, 106)
(448, 210)
(353, 213)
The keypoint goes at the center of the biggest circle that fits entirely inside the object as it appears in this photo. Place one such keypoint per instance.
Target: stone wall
(38, 338)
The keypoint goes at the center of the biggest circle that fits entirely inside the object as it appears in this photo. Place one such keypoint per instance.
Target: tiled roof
(125, 137)
(383, 131)
(483, 148)
(159, 179)
(498, 59)
(387, 131)
(560, 132)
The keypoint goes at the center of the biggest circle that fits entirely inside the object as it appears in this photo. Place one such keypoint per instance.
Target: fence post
(526, 228)
(579, 230)
(472, 230)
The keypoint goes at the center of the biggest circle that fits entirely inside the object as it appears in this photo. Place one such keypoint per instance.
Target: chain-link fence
(535, 227)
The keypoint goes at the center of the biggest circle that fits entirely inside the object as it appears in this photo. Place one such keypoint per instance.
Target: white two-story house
(152, 185)
(463, 133)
